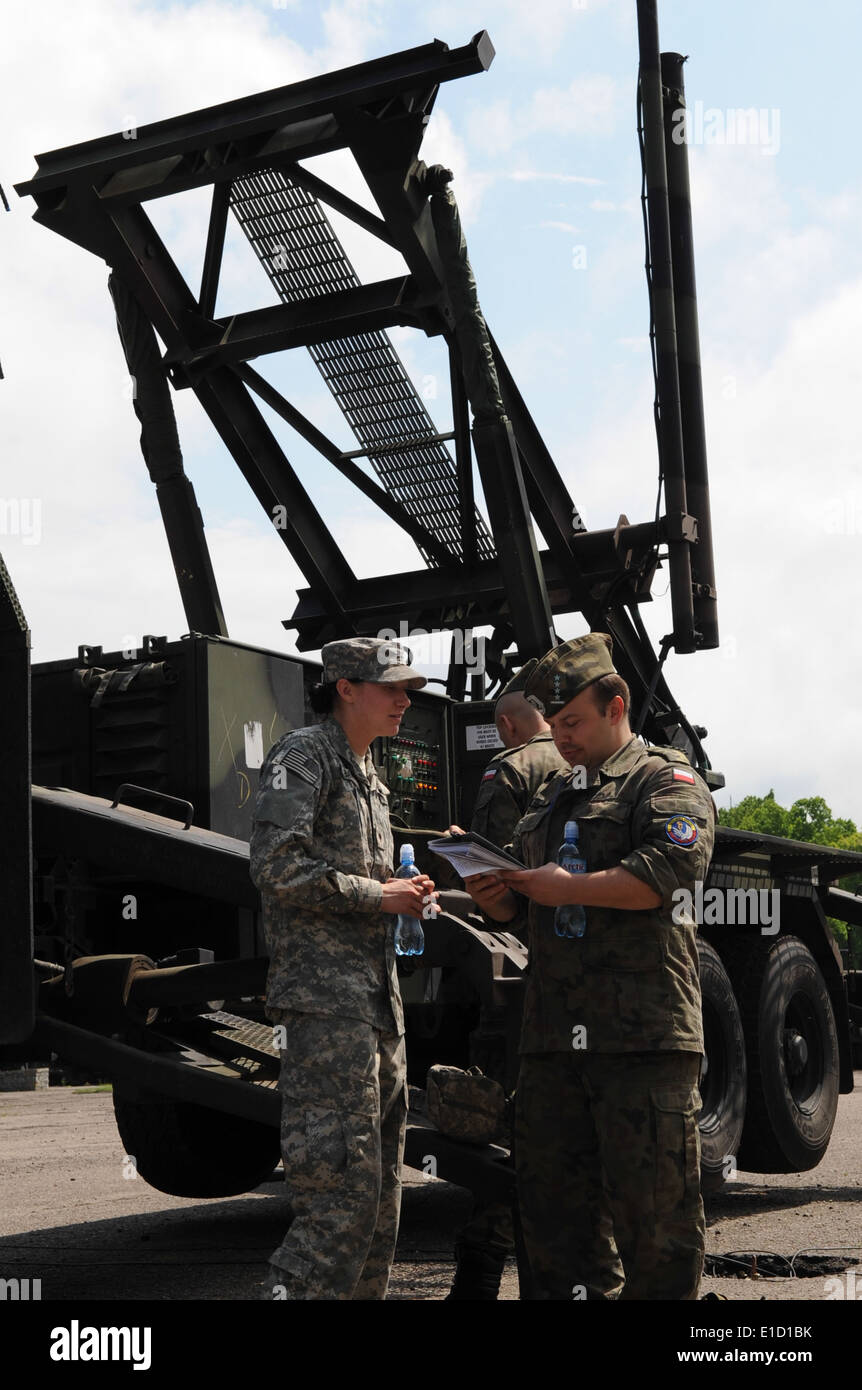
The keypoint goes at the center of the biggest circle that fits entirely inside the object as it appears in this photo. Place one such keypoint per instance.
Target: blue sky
(547, 177)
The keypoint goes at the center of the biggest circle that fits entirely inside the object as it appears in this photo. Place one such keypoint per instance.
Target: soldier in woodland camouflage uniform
(508, 785)
(321, 855)
(611, 1043)
(513, 776)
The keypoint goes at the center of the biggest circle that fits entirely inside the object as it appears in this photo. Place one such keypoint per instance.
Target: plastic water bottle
(409, 936)
(570, 920)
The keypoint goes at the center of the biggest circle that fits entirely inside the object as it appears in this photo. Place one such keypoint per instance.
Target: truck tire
(191, 1151)
(792, 1052)
(723, 1081)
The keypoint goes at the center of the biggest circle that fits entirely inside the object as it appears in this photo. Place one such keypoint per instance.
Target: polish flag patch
(680, 775)
(489, 775)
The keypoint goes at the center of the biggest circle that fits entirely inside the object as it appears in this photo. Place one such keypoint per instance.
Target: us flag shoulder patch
(293, 761)
(680, 775)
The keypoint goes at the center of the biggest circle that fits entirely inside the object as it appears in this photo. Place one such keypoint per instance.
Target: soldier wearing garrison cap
(513, 776)
(508, 785)
(322, 857)
(611, 1043)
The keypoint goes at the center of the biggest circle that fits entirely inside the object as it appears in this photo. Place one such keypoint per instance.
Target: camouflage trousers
(344, 1114)
(607, 1151)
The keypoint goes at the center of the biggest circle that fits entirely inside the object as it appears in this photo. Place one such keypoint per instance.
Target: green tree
(760, 813)
(809, 819)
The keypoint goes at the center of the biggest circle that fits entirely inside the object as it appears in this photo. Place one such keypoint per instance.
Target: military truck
(131, 945)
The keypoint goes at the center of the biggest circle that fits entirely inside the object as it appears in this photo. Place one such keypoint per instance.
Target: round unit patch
(681, 830)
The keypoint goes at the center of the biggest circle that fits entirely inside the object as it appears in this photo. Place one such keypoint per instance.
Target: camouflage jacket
(509, 784)
(631, 982)
(321, 847)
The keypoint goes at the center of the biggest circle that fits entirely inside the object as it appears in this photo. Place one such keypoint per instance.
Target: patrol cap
(370, 659)
(518, 681)
(563, 673)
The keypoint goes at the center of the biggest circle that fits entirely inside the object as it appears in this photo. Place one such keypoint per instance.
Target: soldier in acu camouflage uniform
(321, 855)
(611, 1043)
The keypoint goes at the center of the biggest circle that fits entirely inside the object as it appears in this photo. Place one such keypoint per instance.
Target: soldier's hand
(407, 895)
(549, 886)
(455, 830)
(491, 894)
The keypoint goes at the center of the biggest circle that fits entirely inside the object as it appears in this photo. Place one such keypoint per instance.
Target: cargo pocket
(531, 832)
(313, 1145)
(677, 1167)
(605, 833)
(626, 967)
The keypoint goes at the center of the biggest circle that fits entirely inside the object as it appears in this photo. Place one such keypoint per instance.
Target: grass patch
(91, 1090)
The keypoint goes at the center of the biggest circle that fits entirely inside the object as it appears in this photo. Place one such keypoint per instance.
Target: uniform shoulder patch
(681, 831)
(487, 776)
(680, 774)
(293, 759)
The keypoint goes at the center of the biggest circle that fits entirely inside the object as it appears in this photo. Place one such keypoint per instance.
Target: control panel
(474, 742)
(415, 765)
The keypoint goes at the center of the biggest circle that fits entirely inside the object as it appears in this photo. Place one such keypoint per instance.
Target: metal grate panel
(302, 256)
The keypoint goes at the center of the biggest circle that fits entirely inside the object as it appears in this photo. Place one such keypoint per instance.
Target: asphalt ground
(72, 1218)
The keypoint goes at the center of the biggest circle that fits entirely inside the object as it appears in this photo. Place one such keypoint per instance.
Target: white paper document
(472, 854)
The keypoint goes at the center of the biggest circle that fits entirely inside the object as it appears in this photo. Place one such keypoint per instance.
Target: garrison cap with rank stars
(519, 680)
(371, 659)
(567, 670)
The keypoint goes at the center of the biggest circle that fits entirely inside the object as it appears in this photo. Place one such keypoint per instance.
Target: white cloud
(537, 176)
(537, 30)
(780, 695)
(589, 105)
(608, 205)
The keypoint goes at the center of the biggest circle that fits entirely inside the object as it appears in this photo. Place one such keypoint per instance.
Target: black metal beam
(550, 500)
(265, 467)
(393, 509)
(214, 248)
(508, 512)
(371, 603)
(139, 845)
(160, 446)
(160, 1072)
(140, 257)
(169, 152)
(386, 150)
(463, 458)
(369, 221)
(17, 999)
(600, 556)
(688, 335)
(661, 277)
(384, 304)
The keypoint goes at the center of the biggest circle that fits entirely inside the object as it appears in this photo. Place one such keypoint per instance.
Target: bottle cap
(571, 830)
(406, 854)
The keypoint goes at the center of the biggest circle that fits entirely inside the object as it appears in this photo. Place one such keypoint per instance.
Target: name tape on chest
(680, 775)
(681, 831)
(293, 761)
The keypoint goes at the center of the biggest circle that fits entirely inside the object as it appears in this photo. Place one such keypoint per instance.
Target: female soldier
(321, 855)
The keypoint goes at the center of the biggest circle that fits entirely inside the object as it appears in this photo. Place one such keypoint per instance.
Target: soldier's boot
(478, 1273)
